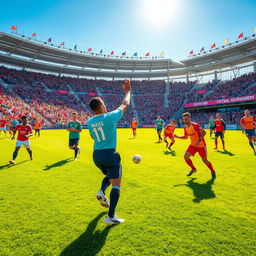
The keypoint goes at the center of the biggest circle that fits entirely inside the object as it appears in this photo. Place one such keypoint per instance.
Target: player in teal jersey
(211, 125)
(159, 124)
(74, 128)
(102, 128)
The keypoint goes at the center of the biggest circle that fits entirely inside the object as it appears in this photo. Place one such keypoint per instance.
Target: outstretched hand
(126, 86)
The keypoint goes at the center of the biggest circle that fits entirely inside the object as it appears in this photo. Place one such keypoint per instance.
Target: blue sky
(129, 25)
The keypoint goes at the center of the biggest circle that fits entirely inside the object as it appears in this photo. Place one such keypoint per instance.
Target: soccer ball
(136, 159)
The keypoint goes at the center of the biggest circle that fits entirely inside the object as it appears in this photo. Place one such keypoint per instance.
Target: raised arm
(127, 97)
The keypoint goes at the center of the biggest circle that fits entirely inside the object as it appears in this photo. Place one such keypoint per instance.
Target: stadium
(48, 205)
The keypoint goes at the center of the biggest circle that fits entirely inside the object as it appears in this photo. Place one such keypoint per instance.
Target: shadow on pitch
(167, 152)
(90, 242)
(7, 166)
(58, 164)
(200, 191)
(225, 152)
(131, 138)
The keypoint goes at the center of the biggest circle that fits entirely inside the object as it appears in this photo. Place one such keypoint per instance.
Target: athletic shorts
(221, 134)
(200, 150)
(109, 162)
(73, 142)
(250, 132)
(26, 143)
(37, 130)
(159, 130)
(134, 129)
(169, 135)
(211, 128)
(2, 129)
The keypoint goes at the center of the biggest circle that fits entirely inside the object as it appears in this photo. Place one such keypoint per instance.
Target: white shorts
(26, 143)
(2, 129)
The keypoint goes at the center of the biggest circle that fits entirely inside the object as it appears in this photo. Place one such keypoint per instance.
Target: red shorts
(134, 129)
(200, 150)
(170, 135)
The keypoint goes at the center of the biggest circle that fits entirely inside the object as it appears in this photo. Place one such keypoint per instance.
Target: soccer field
(48, 205)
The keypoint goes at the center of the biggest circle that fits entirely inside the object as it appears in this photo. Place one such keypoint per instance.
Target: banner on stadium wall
(62, 92)
(201, 91)
(93, 94)
(148, 126)
(221, 101)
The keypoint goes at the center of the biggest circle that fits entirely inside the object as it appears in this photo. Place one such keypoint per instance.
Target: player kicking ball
(102, 128)
(134, 125)
(74, 128)
(24, 132)
(198, 145)
(168, 133)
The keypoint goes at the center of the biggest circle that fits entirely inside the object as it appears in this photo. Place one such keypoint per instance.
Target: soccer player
(102, 128)
(211, 125)
(24, 132)
(134, 125)
(37, 128)
(198, 145)
(219, 127)
(248, 127)
(3, 125)
(159, 124)
(168, 133)
(74, 128)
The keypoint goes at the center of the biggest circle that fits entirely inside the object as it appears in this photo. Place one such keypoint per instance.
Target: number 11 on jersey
(95, 130)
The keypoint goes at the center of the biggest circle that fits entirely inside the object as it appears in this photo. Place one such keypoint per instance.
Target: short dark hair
(95, 103)
(186, 114)
(24, 117)
(74, 113)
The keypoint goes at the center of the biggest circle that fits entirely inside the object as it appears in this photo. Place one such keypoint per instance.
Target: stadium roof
(31, 54)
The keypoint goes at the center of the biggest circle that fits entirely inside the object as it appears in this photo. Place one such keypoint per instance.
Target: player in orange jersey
(37, 128)
(198, 145)
(168, 133)
(134, 125)
(248, 127)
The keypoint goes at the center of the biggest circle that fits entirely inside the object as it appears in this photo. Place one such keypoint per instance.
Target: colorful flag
(240, 36)
(124, 54)
(62, 43)
(135, 54)
(147, 54)
(89, 50)
(213, 46)
(49, 40)
(254, 31)
(101, 51)
(13, 27)
(112, 53)
(34, 35)
(75, 47)
(191, 52)
(226, 41)
(202, 50)
(162, 54)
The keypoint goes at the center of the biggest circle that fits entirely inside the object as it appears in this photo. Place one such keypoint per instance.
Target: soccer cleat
(213, 175)
(113, 221)
(102, 198)
(215, 148)
(75, 159)
(191, 172)
(12, 162)
(254, 151)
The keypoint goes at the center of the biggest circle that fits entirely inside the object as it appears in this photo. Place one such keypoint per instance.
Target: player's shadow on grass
(58, 164)
(90, 242)
(172, 153)
(200, 191)
(6, 166)
(225, 152)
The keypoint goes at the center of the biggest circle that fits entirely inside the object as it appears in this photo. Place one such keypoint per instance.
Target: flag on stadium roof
(191, 52)
(112, 53)
(226, 41)
(101, 51)
(124, 54)
(240, 36)
(49, 40)
(13, 27)
(135, 54)
(34, 35)
(162, 54)
(62, 43)
(75, 47)
(213, 46)
(254, 31)
(89, 50)
(147, 54)
(202, 50)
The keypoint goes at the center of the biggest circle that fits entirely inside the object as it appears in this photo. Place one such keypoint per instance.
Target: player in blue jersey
(102, 128)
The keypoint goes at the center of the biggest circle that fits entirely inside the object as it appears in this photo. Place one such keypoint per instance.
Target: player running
(198, 145)
(168, 133)
(37, 128)
(134, 125)
(219, 127)
(159, 124)
(248, 127)
(3, 123)
(211, 125)
(102, 128)
(74, 128)
(24, 132)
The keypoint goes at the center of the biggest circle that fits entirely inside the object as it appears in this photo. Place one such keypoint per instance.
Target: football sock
(104, 185)
(171, 144)
(76, 151)
(251, 144)
(114, 196)
(190, 163)
(15, 154)
(216, 143)
(223, 143)
(209, 165)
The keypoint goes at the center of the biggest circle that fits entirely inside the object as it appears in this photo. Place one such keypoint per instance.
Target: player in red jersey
(24, 132)
(219, 127)
(134, 125)
(3, 125)
(248, 127)
(198, 145)
(168, 133)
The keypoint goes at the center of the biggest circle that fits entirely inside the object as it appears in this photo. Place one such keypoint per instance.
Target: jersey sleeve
(242, 121)
(116, 115)
(224, 125)
(198, 129)
(17, 126)
(79, 126)
(185, 132)
(30, 129)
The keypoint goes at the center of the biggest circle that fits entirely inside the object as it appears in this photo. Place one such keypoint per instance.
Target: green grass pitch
(48, 205)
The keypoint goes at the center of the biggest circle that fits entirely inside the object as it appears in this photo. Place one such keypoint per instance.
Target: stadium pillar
(215, 75)
(254, 67)
(187, 78)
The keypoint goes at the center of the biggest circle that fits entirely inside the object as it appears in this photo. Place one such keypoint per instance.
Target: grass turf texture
(48, 205)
